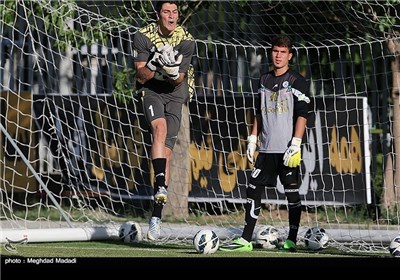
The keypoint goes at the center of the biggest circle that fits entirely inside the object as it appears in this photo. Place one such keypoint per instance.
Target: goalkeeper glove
(172, 70)
(167, 58)
(251, 147)
(292, 156)
(153, 63)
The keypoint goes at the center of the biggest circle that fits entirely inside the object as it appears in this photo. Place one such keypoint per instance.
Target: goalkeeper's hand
(167, 58)
(251, 147)
(153, 63)
(292, 156)
(172, 70)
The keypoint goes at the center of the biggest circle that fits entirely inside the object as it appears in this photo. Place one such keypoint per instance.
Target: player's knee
(253, 192)
(292, 195)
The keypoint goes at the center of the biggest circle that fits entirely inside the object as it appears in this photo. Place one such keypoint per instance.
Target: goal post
(75, 150)
(64, 234)
(34, 173)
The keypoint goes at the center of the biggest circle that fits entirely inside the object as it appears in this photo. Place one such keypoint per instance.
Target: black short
(267, 169)
(155, 106)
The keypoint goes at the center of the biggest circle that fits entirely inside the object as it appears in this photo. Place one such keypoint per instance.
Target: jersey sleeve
(301, 99)
(141, 45)
(186, 48)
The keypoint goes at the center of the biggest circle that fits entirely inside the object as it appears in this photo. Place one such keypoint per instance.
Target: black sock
(159, 165)
(250, 222)
(157, 210)
(294, 221)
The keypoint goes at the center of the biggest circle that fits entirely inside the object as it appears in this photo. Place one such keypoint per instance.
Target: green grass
(99, 259)
(116, 249)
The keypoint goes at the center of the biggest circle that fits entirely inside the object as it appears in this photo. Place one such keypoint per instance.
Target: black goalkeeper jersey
(281, 99)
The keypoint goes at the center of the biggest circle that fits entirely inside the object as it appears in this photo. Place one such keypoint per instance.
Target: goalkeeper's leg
(160, 197)
(252, 208)
(255, 187)
(294, 204)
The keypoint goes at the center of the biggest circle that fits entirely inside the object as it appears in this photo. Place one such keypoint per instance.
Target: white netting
(66, 82)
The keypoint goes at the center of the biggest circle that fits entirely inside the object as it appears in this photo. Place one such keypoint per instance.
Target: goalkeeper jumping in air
(281, 118)
(164, 51)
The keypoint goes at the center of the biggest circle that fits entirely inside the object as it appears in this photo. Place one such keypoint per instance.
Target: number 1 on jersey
(151, 110)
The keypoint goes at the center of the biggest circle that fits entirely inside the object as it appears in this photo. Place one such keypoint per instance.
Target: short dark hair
(160, 3)
(283, 41)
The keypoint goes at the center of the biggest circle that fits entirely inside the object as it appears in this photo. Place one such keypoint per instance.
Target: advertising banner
(105, 147)
(335, 166)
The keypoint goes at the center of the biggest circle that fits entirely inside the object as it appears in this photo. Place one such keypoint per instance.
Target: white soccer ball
(267, 237)
(316, 238)
(394, 247)
(206, 241)
(130, 232)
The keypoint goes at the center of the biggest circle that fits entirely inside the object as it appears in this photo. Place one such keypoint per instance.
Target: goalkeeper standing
(164, 51)
(281, 117)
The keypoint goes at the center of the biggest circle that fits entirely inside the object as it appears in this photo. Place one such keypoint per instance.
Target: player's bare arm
(143, 73)
(179, 80)
(256, 125)
(300, 127)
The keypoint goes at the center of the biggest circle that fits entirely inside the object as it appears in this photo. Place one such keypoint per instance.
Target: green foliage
(8, 11)
(123, 86)
(377, 180)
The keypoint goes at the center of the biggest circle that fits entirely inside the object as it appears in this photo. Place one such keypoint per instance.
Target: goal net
(75, 147)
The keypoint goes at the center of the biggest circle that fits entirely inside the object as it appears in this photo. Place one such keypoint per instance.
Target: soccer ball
(316, 238)
(394, 247)
(267, 237)
(130, 232)
(206, 241)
